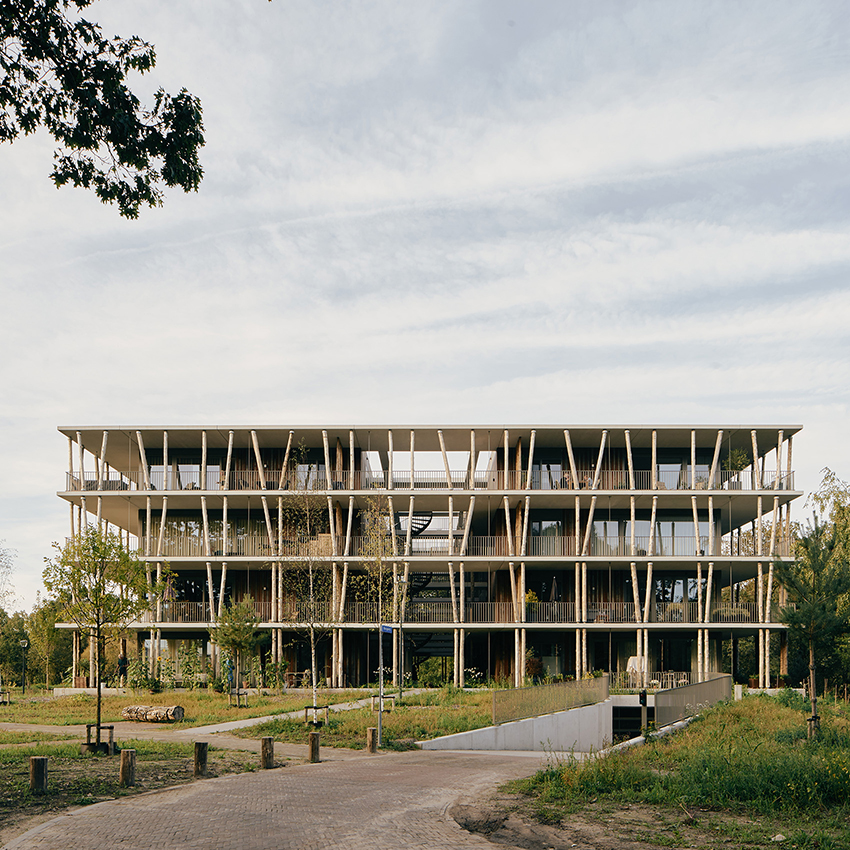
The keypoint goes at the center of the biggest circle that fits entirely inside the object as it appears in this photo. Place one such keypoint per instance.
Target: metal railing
(256, 544)
(432, 611)
(685, 701)
(520, 703)
(315, 479)
(652, 681)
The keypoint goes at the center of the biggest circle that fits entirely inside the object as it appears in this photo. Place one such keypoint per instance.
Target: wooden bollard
(313, 739)
(266, 753)
(38, 774)
(372, 739)
(127, 769)
(201, 748)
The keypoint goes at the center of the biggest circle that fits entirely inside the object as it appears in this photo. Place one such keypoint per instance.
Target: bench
(241, 696)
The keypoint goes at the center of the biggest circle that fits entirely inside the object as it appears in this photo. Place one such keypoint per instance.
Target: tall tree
(59, 72)
(102, 587)
(7, 565)
(818, 581)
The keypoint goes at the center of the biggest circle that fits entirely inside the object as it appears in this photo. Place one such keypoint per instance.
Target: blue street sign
(387, 630)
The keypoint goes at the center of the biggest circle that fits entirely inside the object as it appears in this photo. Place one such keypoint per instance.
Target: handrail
(315, 479)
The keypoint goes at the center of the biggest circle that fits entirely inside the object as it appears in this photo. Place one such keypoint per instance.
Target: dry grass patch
(420, 717)
(202, 707)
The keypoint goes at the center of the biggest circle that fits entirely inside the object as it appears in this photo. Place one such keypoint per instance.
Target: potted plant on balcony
(736, 461)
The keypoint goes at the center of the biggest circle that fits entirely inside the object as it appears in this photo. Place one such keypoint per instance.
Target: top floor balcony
(318, 480)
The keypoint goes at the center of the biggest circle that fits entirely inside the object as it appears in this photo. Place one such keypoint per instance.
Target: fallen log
(152, 713)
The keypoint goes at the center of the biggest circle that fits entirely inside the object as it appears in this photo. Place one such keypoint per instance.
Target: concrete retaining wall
(579, 729)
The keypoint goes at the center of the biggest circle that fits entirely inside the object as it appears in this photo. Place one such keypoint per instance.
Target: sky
(542, 212)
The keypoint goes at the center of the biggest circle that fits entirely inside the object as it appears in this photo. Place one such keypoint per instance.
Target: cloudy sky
(446, 212)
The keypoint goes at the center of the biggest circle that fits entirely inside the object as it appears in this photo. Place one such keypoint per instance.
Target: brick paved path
(386, 802)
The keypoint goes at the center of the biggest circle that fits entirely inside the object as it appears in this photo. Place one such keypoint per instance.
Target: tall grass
(750, 755)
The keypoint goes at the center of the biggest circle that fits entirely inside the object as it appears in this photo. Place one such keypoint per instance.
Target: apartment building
(556, 549)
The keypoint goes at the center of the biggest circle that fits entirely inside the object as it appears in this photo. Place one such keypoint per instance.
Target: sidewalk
(384, 802)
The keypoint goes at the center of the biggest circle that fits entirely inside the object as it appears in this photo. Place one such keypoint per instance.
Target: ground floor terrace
(473, 654)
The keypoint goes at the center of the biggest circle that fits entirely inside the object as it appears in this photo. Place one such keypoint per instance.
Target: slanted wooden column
(283, 481)
(445, 460)
(636, 602)
(646, 617)
(530, 459)
(571, 457)
(757, 482)
(143, 459)
(261, 473)
(708, 594)
(712, 478)
(227, 462)
(600, 458)
(210, 590)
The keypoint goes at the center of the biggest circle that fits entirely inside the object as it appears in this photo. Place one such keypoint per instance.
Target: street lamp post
(24, 644)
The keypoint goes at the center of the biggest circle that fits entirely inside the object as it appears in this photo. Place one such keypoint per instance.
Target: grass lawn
(74, 780)
(202, 707)
(741, 774)
(421, 716)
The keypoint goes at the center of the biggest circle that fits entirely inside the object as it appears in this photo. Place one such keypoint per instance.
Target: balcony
(439, 612)
(315, 480)
(257, 546)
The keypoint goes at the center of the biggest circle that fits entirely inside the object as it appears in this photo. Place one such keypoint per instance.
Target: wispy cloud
(448, 212)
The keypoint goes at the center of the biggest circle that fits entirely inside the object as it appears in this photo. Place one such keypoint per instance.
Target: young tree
(377, 554)
(307, 581)
(236, 629)
(818, 581)
(102, 587)
(58, 71)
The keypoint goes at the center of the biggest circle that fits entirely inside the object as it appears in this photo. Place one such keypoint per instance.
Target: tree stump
(153, 713)
(38, 774)
(266, 753)
(201, 748)
(127, 769)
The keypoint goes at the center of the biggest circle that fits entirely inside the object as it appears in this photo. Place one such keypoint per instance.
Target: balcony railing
(241, 545)
(440, 611)
(317, 480)
(655, 680)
